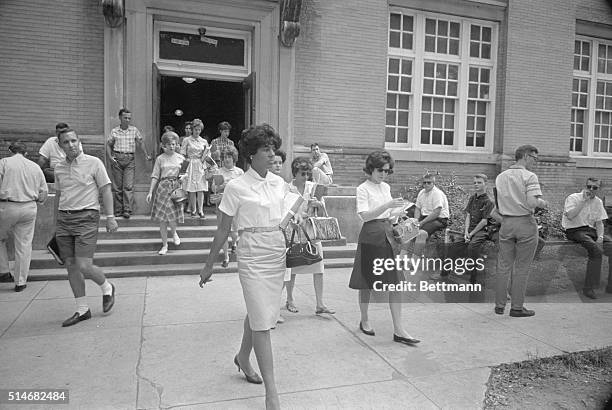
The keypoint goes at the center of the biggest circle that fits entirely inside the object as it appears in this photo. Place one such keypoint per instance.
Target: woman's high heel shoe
(255, 378)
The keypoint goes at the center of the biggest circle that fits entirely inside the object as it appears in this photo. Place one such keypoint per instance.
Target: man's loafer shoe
(590, 293)
(499, 310)
(6, 277)
(367, 332)
(405, 340)
(76, 318)
(108, 301)
(19, 288)
(126, 215)
(521, 312)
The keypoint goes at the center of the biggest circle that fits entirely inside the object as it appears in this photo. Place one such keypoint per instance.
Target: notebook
(53, 248)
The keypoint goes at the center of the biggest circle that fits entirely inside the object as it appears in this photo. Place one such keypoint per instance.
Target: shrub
(458, 197)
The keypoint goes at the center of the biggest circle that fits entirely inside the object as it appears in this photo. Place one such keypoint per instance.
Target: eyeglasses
(592, 187)
(306, 173)
(535, 157)
(427, 182)
(385, 170)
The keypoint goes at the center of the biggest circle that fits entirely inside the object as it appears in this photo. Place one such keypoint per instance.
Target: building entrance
(212, 101)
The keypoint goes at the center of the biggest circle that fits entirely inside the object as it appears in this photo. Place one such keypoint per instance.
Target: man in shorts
(79, 181)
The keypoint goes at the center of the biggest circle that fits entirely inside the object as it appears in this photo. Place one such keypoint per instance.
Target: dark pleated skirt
(375, 241)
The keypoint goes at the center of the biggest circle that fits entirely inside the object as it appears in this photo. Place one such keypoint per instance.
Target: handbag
(215, 199)
(323, 228)
(179, 194)
(301, 254)
(405, 230)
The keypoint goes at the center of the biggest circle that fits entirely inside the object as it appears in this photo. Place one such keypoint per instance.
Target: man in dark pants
(518, 195)
(477, 211)
(120, 148)
(583, 217)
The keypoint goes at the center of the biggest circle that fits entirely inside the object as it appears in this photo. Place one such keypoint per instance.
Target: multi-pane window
(580, 94)
(401, 31)
(440, 82)
(591, 108)
(399, 89)
(438, 108)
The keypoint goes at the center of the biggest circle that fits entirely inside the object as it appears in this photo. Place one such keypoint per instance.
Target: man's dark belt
(76, 211)
(124, 153)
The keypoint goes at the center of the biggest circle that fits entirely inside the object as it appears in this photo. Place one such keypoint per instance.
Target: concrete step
(41, 259)
(153, 244)
(162, 270)
(152, 232)
(145, 220)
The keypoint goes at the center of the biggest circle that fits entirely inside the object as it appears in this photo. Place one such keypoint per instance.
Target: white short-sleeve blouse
(371, 195)
(254, 201)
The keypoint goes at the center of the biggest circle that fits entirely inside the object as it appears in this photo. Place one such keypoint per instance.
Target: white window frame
(592, 76)
(208, 70)
(464, 61)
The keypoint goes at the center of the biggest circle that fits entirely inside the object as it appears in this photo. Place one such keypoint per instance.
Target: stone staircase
(132, 251)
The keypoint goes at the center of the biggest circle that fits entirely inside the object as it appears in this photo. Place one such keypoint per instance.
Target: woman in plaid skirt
(164, 180)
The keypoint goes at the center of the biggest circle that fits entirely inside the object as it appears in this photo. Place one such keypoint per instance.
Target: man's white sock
(81, 305)
(106, 287)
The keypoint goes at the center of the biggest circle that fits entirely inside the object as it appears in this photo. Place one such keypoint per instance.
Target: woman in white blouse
(375, 206)
(255, 202)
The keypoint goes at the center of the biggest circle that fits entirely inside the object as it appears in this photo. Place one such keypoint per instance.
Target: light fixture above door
(189, 80)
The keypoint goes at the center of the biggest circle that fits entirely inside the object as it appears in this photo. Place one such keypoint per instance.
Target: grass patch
(579, 380)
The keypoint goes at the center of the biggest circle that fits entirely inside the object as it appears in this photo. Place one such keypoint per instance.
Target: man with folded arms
(518, 195)
(583, 217)
(79, 180)
(22, 184)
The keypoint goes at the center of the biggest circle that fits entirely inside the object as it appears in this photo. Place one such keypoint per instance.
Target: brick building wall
(341, 73)
(52, 68)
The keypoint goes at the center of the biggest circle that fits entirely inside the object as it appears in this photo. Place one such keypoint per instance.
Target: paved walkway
(168, 344)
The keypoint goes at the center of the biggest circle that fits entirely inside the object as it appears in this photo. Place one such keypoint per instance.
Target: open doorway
(211, 101)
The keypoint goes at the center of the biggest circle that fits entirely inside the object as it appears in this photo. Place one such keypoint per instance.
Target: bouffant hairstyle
(300, 164)
(258, 136)
(229, 151)
(224, 125)
(282, 154)
(197, 123)
(168, 137)
(378, 159)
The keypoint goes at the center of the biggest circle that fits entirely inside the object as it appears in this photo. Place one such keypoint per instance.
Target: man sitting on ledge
(583, 217)
(431, 212)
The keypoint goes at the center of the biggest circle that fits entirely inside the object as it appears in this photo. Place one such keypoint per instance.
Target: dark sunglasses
(592, 187)
(427, 182)
(385, 170)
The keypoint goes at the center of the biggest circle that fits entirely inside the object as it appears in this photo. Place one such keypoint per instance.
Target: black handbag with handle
(301, 254)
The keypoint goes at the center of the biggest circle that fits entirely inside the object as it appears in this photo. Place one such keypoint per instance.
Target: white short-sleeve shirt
(428, 201)
(254, 201)
(593, 211)
(371, 195)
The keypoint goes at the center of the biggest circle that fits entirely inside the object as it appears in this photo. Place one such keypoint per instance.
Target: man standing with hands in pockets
(518, 194)
(583, 217)
(120, 148)
(79, 180)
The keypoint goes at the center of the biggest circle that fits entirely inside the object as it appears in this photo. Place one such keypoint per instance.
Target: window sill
(444, 156)
(592, 162)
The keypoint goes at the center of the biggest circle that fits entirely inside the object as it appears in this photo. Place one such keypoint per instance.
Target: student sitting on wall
(431, 211)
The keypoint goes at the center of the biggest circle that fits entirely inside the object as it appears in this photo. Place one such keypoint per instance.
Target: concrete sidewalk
(168, 344)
